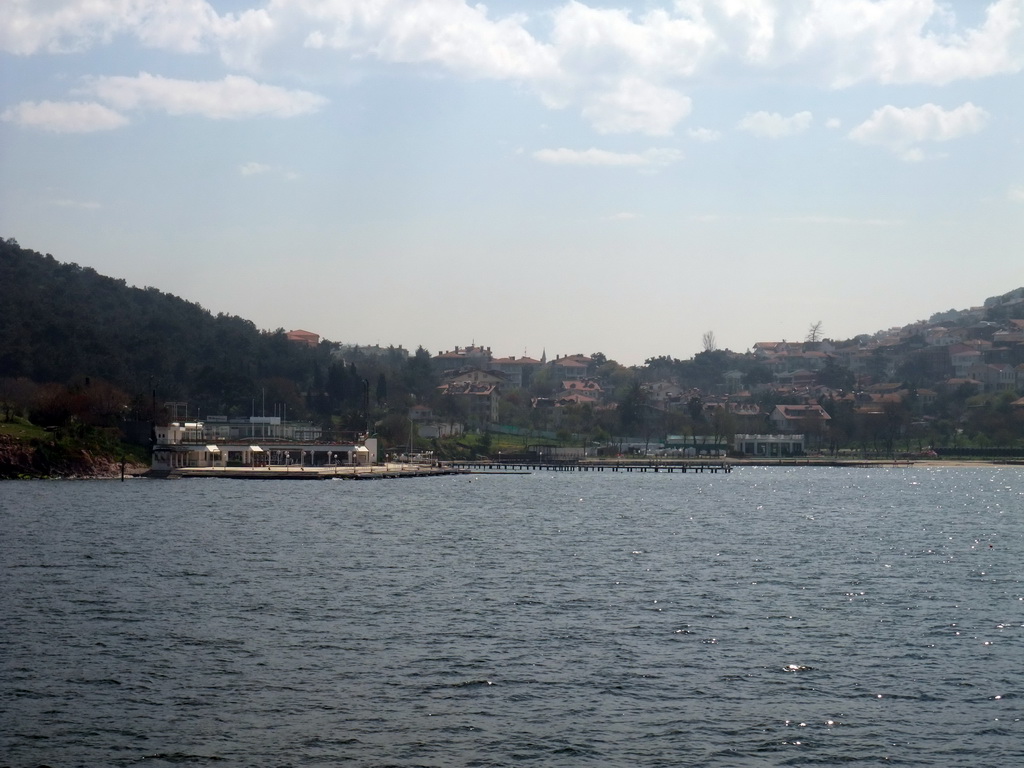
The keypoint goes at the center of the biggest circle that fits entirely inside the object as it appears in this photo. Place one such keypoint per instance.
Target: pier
(394, 470)
(592, 465)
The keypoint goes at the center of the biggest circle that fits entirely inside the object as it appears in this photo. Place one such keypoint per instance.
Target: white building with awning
(179, 446)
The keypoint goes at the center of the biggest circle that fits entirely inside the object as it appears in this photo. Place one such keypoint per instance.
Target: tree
(708, 341)
(755, 373)
(633, 408)
(484, 444)
(814, 332)
(896, 417)
(419, 377)
(705, 370)
(836, 376)
(695, 407)
(16, 395)
(877, 364)
(724, 425)
(395, 431)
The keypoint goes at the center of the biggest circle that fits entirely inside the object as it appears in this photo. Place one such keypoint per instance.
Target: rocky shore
(34, 459)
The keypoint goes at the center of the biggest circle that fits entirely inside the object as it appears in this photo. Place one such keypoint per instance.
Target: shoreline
(929, 463)
(397, 470)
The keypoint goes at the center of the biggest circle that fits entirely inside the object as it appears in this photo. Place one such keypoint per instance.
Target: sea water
(766, 617)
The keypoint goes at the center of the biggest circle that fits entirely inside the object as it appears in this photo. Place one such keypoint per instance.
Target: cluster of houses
(475, 379)
(980, 350)
(965, 351)
(969, 354)
(473, 376)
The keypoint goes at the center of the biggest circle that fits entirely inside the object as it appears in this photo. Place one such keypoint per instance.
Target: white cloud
(28, 27)
(704, 134)
(234, 97)
(658, 42)
(636, 106)
(64, 116)
(450, 33)
(842, 41)
(901, 130)
(833, 122)
(589, 48)
(750, 28)
(254, 169)
(182, 26)
(179, 26)
(772, 125)
(905, 41)
(651, 158)
(624, 70)
(598, 61)
(1016, 193)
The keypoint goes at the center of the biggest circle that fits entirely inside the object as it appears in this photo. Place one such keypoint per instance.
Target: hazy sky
(561, 176)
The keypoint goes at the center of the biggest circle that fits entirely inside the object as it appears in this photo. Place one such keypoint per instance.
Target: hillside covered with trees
(74, 343)
(81, 351)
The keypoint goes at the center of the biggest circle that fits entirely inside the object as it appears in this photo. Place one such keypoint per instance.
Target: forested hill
(62, 322)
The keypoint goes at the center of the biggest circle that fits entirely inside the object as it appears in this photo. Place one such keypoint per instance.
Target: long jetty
(396, 470)
(591, 465)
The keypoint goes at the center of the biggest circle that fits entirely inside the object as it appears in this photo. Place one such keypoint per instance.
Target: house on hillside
(994, 377)
(589, 387)
(475, 376)
(963, 357)
(773, 348)
(801, 379)
(733, 381)
(571, 366)
(303, 337)
(475, 401)
(425, 423)
(790, 419)
(663, 394)
(519, 371)
(460, 358)
(421, 413)
(566, 398)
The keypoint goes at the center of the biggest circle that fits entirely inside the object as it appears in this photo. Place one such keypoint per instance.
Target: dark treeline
(86, 338)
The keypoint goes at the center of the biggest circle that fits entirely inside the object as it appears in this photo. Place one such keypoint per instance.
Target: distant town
(86, 357)
(952, 381)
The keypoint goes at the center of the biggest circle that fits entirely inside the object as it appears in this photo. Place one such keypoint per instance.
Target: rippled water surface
(765, 618)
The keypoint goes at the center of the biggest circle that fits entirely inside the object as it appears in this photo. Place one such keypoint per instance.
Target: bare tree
(708, 340)
(814, 332)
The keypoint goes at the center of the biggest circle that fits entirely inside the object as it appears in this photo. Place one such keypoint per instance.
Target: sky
(534, 177)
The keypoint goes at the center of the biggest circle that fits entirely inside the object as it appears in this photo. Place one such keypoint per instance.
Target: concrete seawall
(376, 472)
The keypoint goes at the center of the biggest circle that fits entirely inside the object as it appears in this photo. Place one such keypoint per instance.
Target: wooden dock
(592, 465)
(393, 471)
